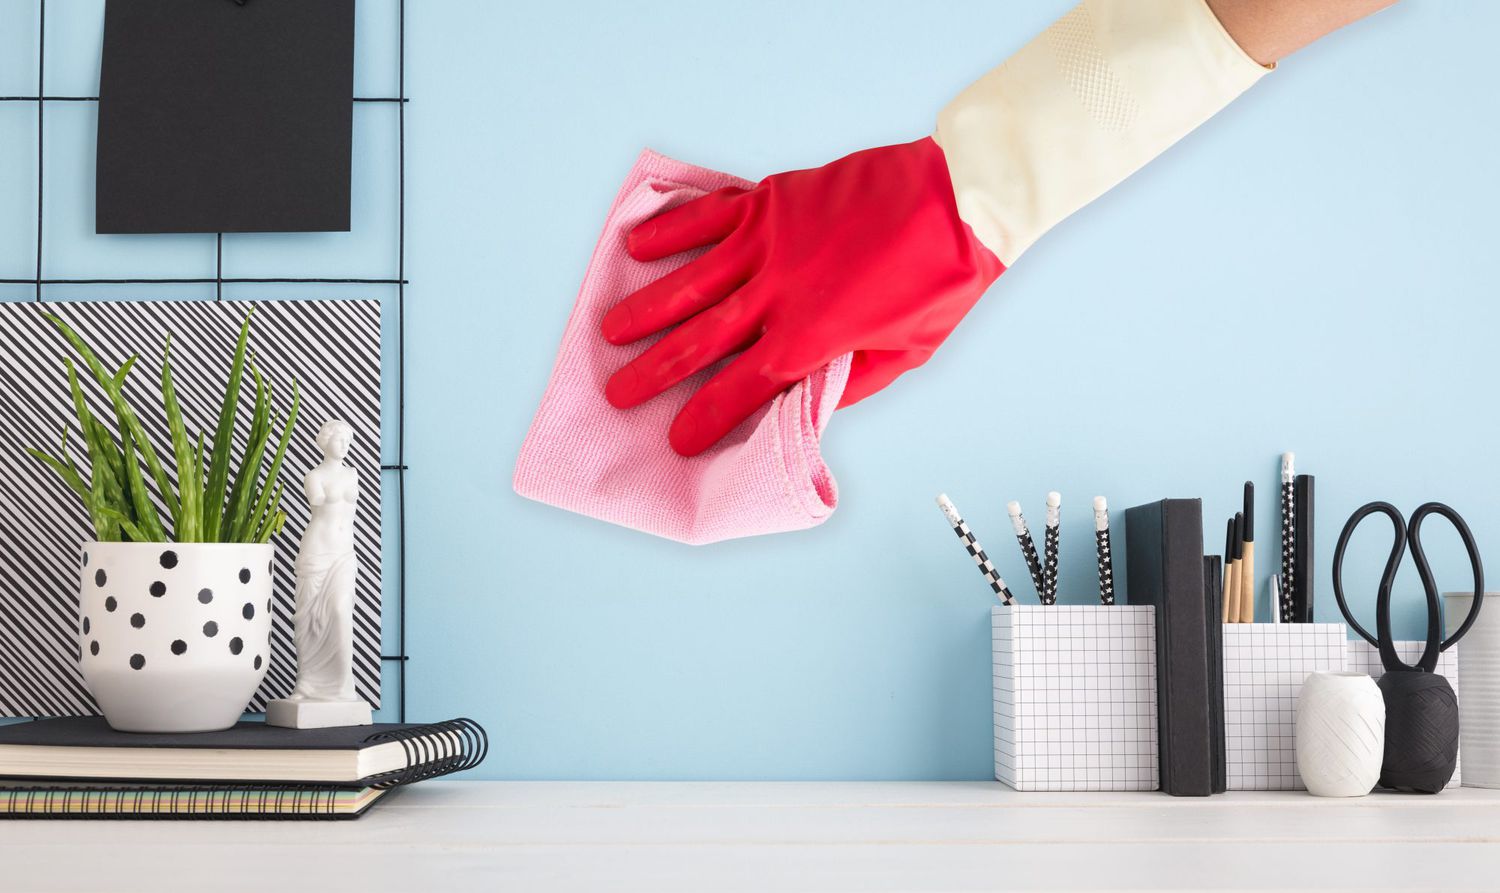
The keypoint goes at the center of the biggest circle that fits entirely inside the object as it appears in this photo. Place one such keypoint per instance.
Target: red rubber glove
(864, 255)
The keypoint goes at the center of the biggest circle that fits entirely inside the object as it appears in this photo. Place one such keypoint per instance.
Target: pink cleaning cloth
(586, 456)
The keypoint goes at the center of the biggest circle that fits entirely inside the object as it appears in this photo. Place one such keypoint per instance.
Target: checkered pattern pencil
(976, 551)
(1028, 549)
(1050, 541)
(1288, 537)
(1106, 561)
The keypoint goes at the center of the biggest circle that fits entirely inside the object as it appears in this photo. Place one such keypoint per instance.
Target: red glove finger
(702, 221)
(679, 294)
(749, 382)
(707, 338)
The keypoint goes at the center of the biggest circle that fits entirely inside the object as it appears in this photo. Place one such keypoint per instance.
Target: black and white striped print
(332, 349)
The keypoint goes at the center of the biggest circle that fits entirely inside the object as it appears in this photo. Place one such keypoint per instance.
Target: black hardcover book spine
(1164, 567)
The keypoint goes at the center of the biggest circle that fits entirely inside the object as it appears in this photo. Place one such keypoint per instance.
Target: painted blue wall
(1309, 272)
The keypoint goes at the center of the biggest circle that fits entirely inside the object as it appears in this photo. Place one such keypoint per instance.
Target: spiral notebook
(80, 767)
(94, 800)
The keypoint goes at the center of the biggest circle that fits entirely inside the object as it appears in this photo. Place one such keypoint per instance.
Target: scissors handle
(1387, 579)
(1429, 584)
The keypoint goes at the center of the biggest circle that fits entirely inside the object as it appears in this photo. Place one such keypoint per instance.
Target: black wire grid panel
(41, 100)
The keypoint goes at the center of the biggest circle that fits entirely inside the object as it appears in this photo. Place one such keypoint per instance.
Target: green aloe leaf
(121, 522)
(99, 506)
(255, 451)
(123, 413)
(124, 371)
(145, 513)
(272, 527)
(189, 518)
(218, 468)
(258, 515)
(265, 520)
(65, 471)
(105, 462)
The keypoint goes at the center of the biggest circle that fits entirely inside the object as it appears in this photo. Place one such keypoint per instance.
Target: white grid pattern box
(1264, 667)
(1364, 658)
(1075, 697)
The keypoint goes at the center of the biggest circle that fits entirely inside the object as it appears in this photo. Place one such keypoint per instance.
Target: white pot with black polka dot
(175, 637)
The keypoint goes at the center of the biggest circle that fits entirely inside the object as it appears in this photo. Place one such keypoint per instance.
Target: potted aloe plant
(175, 588)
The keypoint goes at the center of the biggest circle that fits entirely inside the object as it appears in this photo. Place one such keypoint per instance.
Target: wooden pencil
(1247, 562)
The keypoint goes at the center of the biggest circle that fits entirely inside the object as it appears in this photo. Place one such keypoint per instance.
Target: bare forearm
(1270, 30)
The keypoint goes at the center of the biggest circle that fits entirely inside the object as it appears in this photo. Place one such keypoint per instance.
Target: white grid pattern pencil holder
(1364, 658)
(1264, 667)
(1075, 697)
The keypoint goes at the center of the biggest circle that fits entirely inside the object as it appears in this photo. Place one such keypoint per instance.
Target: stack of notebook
(78, 767)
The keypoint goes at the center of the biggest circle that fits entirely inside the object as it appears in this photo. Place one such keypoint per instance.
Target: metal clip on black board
(1421, 710)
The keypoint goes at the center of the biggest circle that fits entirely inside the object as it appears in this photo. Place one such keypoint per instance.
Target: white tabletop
(542, 836)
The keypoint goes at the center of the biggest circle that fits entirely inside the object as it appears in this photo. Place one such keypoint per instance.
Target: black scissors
(1408, 534)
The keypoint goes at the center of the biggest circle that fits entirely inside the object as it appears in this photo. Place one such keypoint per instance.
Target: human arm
(1270, 30)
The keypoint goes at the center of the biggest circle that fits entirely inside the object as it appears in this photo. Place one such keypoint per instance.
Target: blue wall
(1309, 272)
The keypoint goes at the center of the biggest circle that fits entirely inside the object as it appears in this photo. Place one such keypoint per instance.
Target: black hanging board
(217, 116)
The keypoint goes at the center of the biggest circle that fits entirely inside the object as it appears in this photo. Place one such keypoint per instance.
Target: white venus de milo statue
(323, 627)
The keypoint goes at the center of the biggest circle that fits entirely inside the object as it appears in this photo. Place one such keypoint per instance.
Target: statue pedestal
(292, 714)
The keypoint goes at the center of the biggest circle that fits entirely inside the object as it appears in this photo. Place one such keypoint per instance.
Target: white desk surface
(543, 836)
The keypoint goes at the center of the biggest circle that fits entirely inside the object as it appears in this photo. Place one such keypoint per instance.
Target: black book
(1164, 566)
(381, 755)
(1213, 600)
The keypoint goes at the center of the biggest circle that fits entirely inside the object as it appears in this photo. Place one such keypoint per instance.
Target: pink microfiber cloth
(585, 456)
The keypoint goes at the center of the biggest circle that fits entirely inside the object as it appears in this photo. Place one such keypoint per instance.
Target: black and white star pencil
(1288, 538)
(1050, 541)
(1028, 549)
(1106, 561)
(975, 550)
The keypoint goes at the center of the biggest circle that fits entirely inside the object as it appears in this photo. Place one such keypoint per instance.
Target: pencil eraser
(1100, 504)
(1014, 508)
(1054, 499)
(948, 509)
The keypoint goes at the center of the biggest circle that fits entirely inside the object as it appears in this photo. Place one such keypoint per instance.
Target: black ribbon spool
(1421, 710)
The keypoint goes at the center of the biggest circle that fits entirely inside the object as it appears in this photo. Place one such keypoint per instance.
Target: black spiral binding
(191, 802)
(466, 747)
